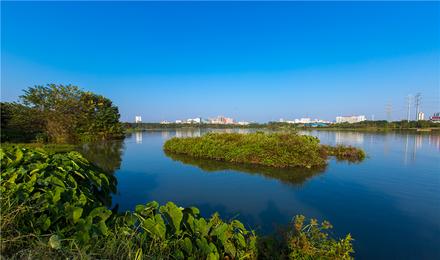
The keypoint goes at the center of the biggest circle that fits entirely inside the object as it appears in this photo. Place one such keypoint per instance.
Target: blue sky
(254, 61)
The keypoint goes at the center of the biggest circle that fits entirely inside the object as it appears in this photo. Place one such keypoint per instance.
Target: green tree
(99, 118)
(68, 114)
(20, 123)
(59, 106)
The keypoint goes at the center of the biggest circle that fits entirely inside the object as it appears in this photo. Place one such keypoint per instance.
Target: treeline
(152, 126)
(59, 114)
(376, 125)
(383, 124)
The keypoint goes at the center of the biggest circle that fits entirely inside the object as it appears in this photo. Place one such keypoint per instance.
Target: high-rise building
(138, 119)
(350, 119)
(420, 116)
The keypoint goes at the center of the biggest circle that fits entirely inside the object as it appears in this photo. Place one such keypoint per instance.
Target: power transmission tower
(417, 101)
(388, 110)
(408, 114)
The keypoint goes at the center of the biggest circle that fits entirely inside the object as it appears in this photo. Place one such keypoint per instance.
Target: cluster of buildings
(220, 120)
(350, 119)
(320, 122)
(435, 118)
(305, 120)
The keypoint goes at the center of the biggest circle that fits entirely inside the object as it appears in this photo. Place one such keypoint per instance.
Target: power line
(417, 100)
(388, 111)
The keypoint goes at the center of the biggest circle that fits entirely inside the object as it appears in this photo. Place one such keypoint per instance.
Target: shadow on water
(291, 176)
(107, 155)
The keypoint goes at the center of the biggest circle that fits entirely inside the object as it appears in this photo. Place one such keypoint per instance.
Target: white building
(138, 119)
(243, 123)
(350, 119)
(196, 120)
(222, 120)
(304, 120)
(178, 121)
(420, 116)
(165, 122)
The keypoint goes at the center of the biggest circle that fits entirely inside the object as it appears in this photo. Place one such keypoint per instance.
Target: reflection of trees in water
(293, 176)
(106, 155)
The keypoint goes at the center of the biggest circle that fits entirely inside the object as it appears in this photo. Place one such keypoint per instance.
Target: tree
(68, 114)
(99, 118)
(19, 123)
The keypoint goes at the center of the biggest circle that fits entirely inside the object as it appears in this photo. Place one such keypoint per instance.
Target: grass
(280, 150)
(52, 148)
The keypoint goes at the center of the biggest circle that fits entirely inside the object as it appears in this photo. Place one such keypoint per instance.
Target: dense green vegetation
(385, 125)
(281, 150)
(379, 125)
(55, 205)
(59, 114)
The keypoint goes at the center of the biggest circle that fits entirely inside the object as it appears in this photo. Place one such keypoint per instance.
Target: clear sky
(248, 60)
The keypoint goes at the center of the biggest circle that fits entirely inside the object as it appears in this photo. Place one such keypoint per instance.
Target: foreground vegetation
(55, 205)
(59, 114)
(281, 150)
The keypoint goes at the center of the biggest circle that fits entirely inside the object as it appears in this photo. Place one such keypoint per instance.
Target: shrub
(276, 149)
(349, 153)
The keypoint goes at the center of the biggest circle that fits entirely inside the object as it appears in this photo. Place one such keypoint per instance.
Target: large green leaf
(173, 214)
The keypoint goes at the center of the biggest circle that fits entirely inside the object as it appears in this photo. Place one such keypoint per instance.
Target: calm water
(390, 202)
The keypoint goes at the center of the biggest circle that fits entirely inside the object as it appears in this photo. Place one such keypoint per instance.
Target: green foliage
(309, 241)
(385, 125)
(303, 240)
(349, 153)
(63, 193)
(60, 114)
(59, 200)
(20, 123)
(54, 205)
(281, 150)
(98, 118)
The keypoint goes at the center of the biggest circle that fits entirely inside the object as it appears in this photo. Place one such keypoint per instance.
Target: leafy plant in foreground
(54, 206)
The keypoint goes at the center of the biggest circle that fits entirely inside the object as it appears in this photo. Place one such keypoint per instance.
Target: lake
(390, 202)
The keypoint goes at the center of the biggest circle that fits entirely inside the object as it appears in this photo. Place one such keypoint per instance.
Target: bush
(276, 150)
(349, 153)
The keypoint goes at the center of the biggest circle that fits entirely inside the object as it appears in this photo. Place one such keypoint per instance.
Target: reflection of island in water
(292, 176)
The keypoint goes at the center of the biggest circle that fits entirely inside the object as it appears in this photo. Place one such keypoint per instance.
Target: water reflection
(138, 137)
(350, 137)
(292, 176)
(414, 143)
(106, 155)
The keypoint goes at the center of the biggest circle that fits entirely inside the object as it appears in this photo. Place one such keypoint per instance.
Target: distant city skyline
(251, 61)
